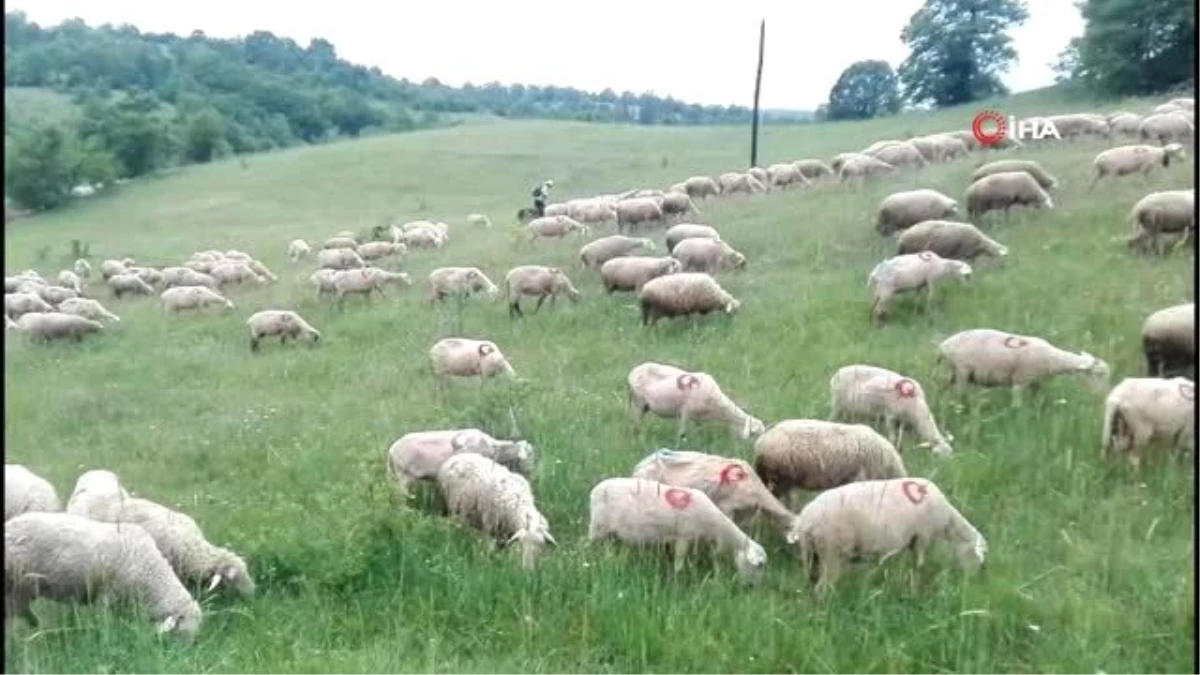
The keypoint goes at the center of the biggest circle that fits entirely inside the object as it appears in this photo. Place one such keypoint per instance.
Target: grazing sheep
(93, 487)
(910, 272)
(48, 326)
(677, 204)
(25, 492)
(238, 256)
(990, 358)
(9, 324)
(1169, 341)
(1141, 409)
(784, 175)
(148, 275)
(899, 154)
(1166, 128)
(558, 209)
(901, 210)
(1166, 108)
(684, 294)
(423, 237)
(631, 273)
(701, 254)
(18, 304)
(233, 273)
(554, 227)
(71, 280)
(668, 392)
(760, 174)
(812, 169)
(701, 187)
(339, 259)
(639, 211)
(497, 501)
(83, 268)
(1125, 124)
(1043, 177)
(591, 211)
(870, 391)
(863, 166)
(600, 251)
(122, 284)
(464, 357)
(460, 281)
(536, 281)
(186, 276)
(323, 280)
(282, 322)
(877, 146)
(479, 220)
(819, 455)
(110, 267)
(364, 281)
(1004, 191)
(298, 249)
(1129, 159)
(418, 455)
(1075, 125)
(678, 233)
(71, 559)
(739, 183)
(262, 270)
(880, 518)
(966, 136)
(192, 297)
(88, 309)
(645, 512)
(340, 242)
(949, 239)
(1168, 212)
(55, 294)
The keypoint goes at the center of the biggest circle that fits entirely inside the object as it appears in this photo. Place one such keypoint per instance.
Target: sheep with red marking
(465, 357)
(1140, 410)
(989, 358)
(684, 294)
(819, 455)
(645, 512)
(911, 272)
(669, 392)
(864, 391)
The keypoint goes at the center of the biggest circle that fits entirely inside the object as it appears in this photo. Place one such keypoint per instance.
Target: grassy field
(281, 455)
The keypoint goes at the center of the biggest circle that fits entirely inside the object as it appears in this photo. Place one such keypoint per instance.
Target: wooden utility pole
(762, 36)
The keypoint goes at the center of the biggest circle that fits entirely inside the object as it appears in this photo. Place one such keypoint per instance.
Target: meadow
(281, 455)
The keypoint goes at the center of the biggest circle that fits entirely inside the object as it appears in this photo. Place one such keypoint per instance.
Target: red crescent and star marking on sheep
(1014, 342)
(906, 388)
(732, 473)
(913, 491)
(1187, 390)
(677, 499)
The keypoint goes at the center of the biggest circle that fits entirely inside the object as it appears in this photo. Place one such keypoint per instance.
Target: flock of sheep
(868, 504)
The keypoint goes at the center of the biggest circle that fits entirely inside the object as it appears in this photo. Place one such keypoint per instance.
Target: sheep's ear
(550, 538)
(168, 624)
(949, 437)
(516, 535)
(924, 444)
(216, 581)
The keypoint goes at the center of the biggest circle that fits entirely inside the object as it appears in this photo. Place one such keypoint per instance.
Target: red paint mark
(905, 388)
(1187, 390)
(678, 499)
(687, 381)
(1014, 342)
(925, 256)
(485, 349)
(913, 491)
(985, 118)
(732, 473)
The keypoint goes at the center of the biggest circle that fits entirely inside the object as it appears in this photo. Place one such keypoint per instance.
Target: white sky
(665, 46)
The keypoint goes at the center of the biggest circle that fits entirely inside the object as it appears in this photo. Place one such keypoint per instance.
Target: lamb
(339, 259)
(863, 166)
(784, 175)
(1043, 177)
(1141, 409)
(1004, 191)
(554, 227)
(600, 251)
(639, 211)
(739, 183)
(949, 239)
(282, 322)
(812, 169)
(179, 298)
(460, 281)
(899, 154)
(1129, 159)
(631, 273)
(375, 250)
(678, 233)
(364, 281)
(870, 391)
(668, 392)
(465, 357)
(418, 455)
(677, 204)
(701, 187)
(1166, 128)
(83, 268)
(880, 517)
(298, 249)
(67, 558)
(911, 272)
(1169, 341)
(819, 455)
(1167, 212)
(232, 273)
(47, 326)
(645, 512)
(901, 210)
(340, 242)
(479, 220)
(698, 254)
(186, 276)
(684, 294)
(537, 281)
(18, 304)
(71, 280)
(88, 309)
(988, 357)
(122, 284)
(25, 492)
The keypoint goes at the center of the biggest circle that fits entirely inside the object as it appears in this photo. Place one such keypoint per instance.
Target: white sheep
(417, 455)
(93, 487)
(459, 281)
(25, 491)
(812, 169)
(71, 280)
(235, 272)
(364, 281)
(1128, 159)
(128, 282)
(861, 390)
(376, 250)
(83, 268)
(675, 204)
(862, 167)
(632, 272)
(1166, 128)
(911, 272)
(55, 295)
(1169, 341)
(111, 267)
(47, 326)
(1005, 190)
(668, 391)
(645, 512)
(536, 281)
(1142, 409)
(339, 259)
(684, 294)
(677, 233)
(298, 249)
(784, 175)
(499, 502)
(282, 322)
(340, 242)
(186, 276)
(18, 304)
(700, 187)
(733, 182)
(639, 211)
(479, 220)
(179, 298)
(554, 227)
(989, 357)
(949, 239)
(701, 254)
(600, 251)
(465, 357)
(901, 210)
(1039, 174)
(1166, 212)
(818, 455)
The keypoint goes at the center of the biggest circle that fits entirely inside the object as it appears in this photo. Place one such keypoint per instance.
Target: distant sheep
(554, 227)
(865, 391)
(678, 233)
(459, 281)
(899, 154)
(668, 391)
(340, 242)
(340, 259)
(701, 187)
(684, 294)
(812, 169)
(739, 183)
(364, 282)
(1142, 409)
(1169, 341)
(71, 280)
(88, 309)
(282, 322)
(479, 220)
(901, 210)
(25, 491)
(949, 239)
(235, 273)
(180, 298)
(464, 357)
(418, 455)
(677, 204)
(1043, 177)
(785, 175)
(911, 272)
(128, 283)
(638, 212)
(83, 268)
(631, 273)
(863, 166)
(376, 250)
(186, 276)
(600, 251)
(819, 455)
(989, 358)
(298, 249)
(1167, 212)
(1002, 191)
(536, 281)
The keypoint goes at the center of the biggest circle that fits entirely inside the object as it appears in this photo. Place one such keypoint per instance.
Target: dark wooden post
(762, 35)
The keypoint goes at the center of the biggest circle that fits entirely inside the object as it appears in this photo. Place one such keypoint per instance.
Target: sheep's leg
(681, 549)
(683, 420)
(830, 570)
(1017, 391)
(541, 299)
(514, 308)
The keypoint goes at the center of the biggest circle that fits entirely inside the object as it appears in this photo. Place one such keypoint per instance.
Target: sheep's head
(732, 306)
(1095, 370)
(532, 538)
(1172, 151)
(184, 623)
(737, 260)
(972, 553)
(671, 266)
(750, 560)
(960, 270)
(229, 304)
(231, 572)
(751, 426)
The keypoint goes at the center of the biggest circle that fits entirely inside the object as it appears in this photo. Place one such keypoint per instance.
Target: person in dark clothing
(540, 193)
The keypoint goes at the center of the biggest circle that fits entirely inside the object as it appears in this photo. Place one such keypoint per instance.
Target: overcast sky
(669, 47)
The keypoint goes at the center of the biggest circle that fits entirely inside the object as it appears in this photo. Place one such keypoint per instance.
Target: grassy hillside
(281, 455)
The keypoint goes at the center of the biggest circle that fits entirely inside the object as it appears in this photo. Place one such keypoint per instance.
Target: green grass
(281, 455)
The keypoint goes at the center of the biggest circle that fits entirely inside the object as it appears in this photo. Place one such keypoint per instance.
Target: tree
(203, 135)
(42, 167)
(1133, 47)
(959, 50)
(866, 89)
(131, 130)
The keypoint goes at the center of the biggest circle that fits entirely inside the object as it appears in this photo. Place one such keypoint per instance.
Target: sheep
(148, 275)
(707, 255)
(18, 304)
(298, 249)
(947, 147)
(110, 267)
(1005, 190)
(47, 326)
(966, 136)
(877, 146)
(1169, 341)
(901, 210)
(1125, 124)
(730, 483)
(422, 237)
(25, 492)
(1166, 108)
(989, 357)
(375, 250)
(677, 204)
(701, 187)
(880, 518)
(556, 209)
(83, 268)
(899, 154)
(459, 281)
(949, 239)
(1129, 159)
(554, 227)
(591, 211)
(122, 284)
(71, 280)
(818, 455)
(1166, 212)
(1166, 128)
(339, 259)
(201, 266)
(262, 270)
(235, 272)
(55, 295)
(88, 309)
(1075, 125)
(910, 272)
(784, 175)
(465, 357)
(812, 169)
(1186, 102)
(639, 211)
(92, 487)
(668, 391)
(760, 174)
(179, 298)
(1140, 409)
(537, 281)
(645, 512)
(282, 322)
(68, 558)
(861, 390)
(186, 276)
(600, 251)
(641, 192)
(479, 220)
(683, 294)
(233, 255)
(678, 233)
(418, 455)
(739, 183)
(1043, 177)
(863, 166)
(364, 281)
(631, 273)
(340, 242)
